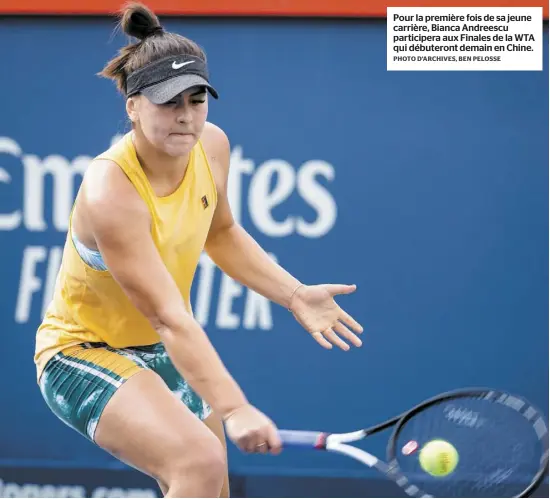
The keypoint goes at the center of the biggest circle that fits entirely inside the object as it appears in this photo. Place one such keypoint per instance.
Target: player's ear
(132, 108)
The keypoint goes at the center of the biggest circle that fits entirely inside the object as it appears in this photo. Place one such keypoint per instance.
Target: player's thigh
(157, 359)
(147, 427)
(215, 424)
(112, 398)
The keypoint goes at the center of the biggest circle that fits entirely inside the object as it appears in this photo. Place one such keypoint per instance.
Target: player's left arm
(229, 245)
(242, 258)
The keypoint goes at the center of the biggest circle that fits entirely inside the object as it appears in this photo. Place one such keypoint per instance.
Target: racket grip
(311, 439)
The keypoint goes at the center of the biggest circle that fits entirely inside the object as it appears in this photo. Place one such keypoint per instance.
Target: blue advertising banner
(429, 190)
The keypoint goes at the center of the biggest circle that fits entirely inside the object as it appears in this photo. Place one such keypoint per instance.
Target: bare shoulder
(213, 137)
(217, 148)
(109, 196)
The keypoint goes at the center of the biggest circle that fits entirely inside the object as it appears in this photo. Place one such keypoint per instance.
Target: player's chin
(179, 145)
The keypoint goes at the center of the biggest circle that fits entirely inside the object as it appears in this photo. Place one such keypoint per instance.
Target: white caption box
(464, 39)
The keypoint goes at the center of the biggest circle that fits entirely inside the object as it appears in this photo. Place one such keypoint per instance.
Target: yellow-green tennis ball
(438, 458)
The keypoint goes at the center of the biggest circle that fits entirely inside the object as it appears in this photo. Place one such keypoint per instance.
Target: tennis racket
(501, 441)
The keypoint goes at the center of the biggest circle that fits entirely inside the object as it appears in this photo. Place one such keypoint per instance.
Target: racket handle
(311, 439)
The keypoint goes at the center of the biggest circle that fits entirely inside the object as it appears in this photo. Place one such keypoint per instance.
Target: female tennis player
(119, 356)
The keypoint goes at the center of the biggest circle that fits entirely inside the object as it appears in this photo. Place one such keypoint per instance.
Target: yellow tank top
(89, 305)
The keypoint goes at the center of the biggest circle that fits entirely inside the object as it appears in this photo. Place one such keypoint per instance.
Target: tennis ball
(438, 458)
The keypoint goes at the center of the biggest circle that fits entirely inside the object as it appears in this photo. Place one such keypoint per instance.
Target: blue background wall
(434, 200)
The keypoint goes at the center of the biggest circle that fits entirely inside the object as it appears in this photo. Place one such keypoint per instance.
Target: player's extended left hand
(315, 309)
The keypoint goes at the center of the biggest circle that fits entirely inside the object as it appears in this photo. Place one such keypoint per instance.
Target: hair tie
(155, 31)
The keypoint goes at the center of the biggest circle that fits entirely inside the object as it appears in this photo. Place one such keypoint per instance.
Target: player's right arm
(120, 223)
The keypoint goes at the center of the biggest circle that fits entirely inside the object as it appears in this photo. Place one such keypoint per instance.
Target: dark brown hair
(154, 43)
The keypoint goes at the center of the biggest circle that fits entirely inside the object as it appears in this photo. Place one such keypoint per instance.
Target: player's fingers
(346, 333)
(247, 444)
(330, 335)
(340, 289)
(350, 321)
(262, 448)
(319, 338)
(255, 444)
(274, 441)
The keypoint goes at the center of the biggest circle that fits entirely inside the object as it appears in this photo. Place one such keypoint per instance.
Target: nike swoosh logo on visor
(175, 65)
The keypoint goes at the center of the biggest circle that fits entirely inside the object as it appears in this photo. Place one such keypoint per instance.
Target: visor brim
(166, 90)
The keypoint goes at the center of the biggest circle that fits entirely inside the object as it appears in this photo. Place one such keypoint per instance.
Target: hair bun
(140, 22)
